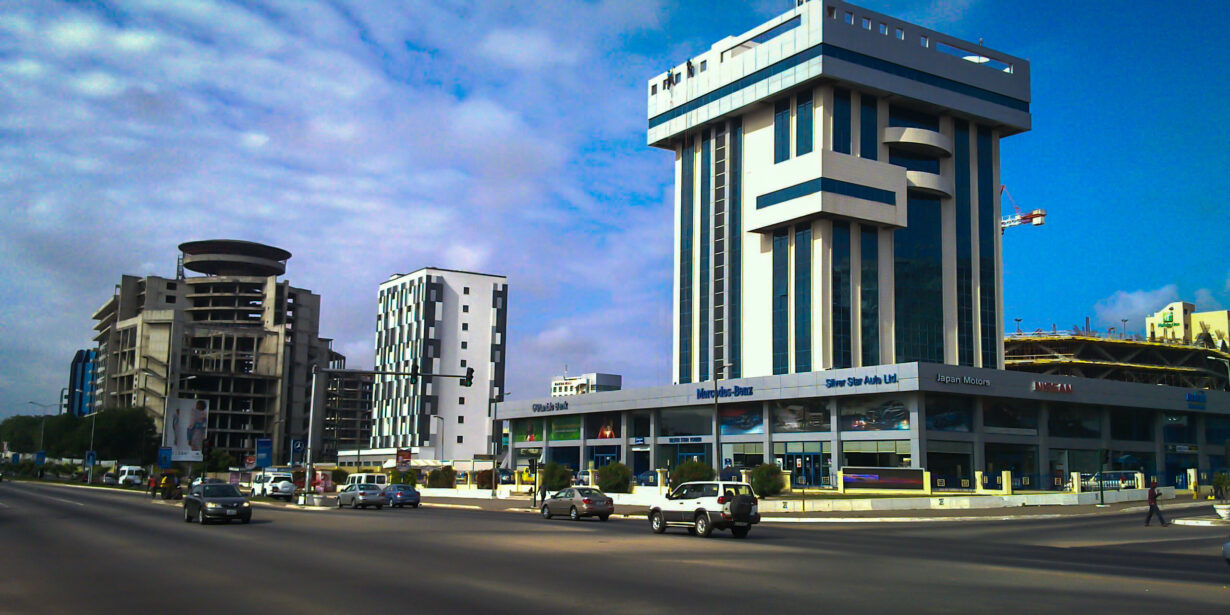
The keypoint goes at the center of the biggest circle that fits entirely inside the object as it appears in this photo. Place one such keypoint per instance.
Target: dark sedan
(207, 502)
(401, 495)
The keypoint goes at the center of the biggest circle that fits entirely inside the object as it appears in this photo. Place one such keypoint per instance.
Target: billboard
(183, 428)
(264, 452)
(798, 416)
(900, 479)
(404, 455)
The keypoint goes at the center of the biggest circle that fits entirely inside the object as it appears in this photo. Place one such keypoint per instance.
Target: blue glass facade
(802, 298)
(918, 271)
(781, 301)
(965, 267)
(869, 302)
(903, 117)
(843, 353)
(781, 130)
(803, 124)
(81, 382)
(706, 218)
(914, 162)
(988, 229)
(825, 184)
(841, 120)
(868, 133)
(685, 262)
(735, 291)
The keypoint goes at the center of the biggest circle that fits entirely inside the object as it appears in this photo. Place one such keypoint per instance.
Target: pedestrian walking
(1153, 509)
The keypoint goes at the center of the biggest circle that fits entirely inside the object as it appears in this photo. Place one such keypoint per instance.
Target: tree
(689, 471)
(767, 480)
(219, 461)
(615, 478)
(555, 476)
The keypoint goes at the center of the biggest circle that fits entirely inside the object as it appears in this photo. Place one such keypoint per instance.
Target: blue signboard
(164, 457)
(16, 458)
(264, 452)
(40, 458)
(91, 458)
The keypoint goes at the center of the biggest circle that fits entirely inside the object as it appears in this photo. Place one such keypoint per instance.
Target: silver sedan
(577, 502)
(362, 495)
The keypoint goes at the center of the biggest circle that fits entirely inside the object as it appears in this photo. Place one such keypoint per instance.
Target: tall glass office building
(837, 195)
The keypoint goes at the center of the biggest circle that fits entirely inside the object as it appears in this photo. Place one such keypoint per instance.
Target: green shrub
(691, 471)
(615, 478)
(1221, 486)
(442, 478)
(555, 476)
(405, 477)
(767, 480)
(338, 475)
(482, 479)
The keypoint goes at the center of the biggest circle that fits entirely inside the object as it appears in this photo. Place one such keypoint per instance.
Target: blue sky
(373, 138)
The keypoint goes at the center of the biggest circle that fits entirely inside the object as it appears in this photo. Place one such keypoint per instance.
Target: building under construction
(1088, 355)
(236, 336)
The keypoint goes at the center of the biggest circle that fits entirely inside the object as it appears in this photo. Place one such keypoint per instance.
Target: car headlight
(245, 504)
(212, 505)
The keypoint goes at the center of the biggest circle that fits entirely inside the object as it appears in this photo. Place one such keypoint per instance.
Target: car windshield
(220, 491)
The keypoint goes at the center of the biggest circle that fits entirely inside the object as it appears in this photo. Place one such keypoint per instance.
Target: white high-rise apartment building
(837, 195)
(443, 322)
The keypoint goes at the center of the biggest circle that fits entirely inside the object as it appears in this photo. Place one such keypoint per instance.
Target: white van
(380, 480)
(131, 476)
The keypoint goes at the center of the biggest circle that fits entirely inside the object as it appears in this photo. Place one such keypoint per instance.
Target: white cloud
(1205, 301)
(1134, 305)
(526, 49)
(97, 84)
(74, 35)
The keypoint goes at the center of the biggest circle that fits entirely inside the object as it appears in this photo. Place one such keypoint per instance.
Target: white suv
(706, 506)
(274, 485)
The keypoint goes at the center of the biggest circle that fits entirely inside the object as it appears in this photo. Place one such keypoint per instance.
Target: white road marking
(43, 495)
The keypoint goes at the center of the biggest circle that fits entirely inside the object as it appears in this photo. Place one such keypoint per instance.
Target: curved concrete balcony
(918, 141)
(929, 184)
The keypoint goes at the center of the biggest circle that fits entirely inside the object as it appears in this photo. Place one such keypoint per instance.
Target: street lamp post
(307, 455)
(42, 426)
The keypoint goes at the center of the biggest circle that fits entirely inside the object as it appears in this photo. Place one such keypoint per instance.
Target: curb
(1203, 522)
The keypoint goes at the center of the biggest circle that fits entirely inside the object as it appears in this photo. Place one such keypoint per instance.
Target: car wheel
(603, 517)
(740, 532)
(354, 504)
(657, 523)
(187, 515)
(703, 528)
(572, 514)
(339, 503)
(546, 512)
(200, 516)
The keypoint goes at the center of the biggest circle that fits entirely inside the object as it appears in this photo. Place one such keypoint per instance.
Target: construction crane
(1036, 217)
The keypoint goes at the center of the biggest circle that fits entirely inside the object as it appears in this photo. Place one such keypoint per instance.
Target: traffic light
(469, 377)
(414, 373)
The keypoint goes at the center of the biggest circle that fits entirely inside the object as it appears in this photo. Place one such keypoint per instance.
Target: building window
(832, 11)
(704, 65)
(465, 326)
(849, 18)
(781, 299)
(463, 362)
(802, 298)
(171, 285)
(841, 120)
(868, 134)
(869, 246)
(465, 345)
(842, 348)
(919, 298)
(884, 29)
(900, 34)
(465, 309)
(170, 298)
(803, 124)
(465, 290)
(460, 439)
(781, 130)
(924, 41)
(866, 23)
(678, 78)
(461, 401)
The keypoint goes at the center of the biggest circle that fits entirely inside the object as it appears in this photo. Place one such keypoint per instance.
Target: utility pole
(309, 469)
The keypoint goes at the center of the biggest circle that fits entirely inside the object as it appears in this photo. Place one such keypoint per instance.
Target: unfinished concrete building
(347, 423)
(236, 336)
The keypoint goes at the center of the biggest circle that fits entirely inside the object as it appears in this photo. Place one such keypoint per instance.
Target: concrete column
(856, 113)
(975, 247)
(948, 257)
(822, 295)
(767, 454)
(980, 462)
(1044, 447)
(1202, 455)
(625, 455)
(918, 439)
(717, 440)
(653, 439)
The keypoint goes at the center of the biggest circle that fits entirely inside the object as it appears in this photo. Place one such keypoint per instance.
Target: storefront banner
(183, 428)
(882, 478)
(404, 457)
(874, 414)
(528, 430)
(566, 428)
(801, 416)
(740, 421)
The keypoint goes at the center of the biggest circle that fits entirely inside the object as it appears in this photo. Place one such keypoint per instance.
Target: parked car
(374, 478)
(506, 477)
(110, 479)
(648, 478)
(207, 502)
(362, 495)
(705, 506)
(577, 502)
(399, 496)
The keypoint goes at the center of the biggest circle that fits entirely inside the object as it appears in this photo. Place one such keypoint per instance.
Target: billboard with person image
(183, 429)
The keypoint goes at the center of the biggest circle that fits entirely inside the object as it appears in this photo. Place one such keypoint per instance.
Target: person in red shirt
(1153, 509)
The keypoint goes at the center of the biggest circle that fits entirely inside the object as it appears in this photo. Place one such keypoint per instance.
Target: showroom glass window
(1010, 414)
(686, 422)
(1075, 421)
(874, 413)
(949, 412)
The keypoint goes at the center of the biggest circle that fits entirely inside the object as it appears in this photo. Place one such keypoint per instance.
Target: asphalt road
(80, 551)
